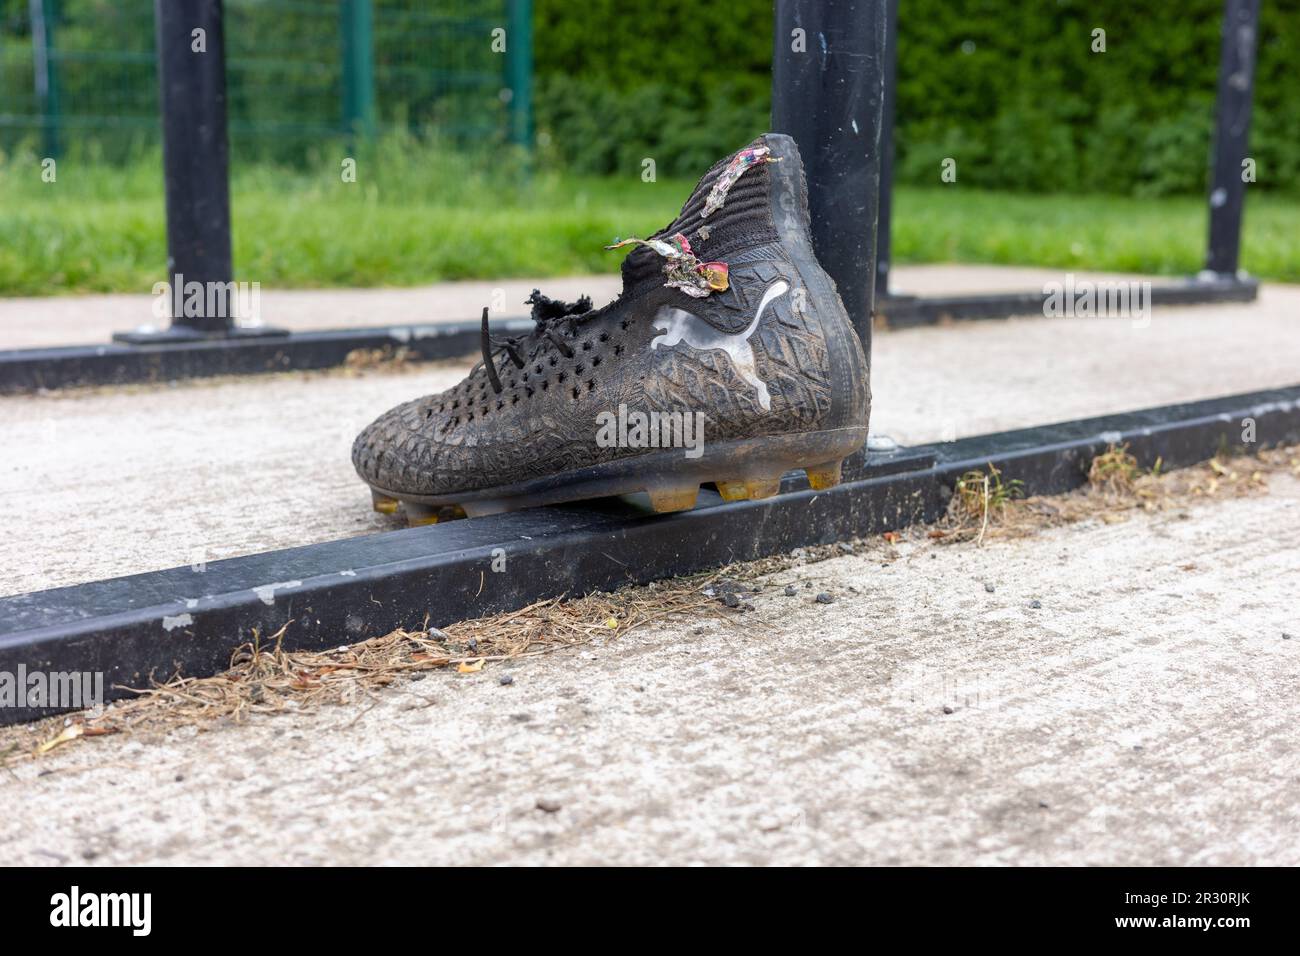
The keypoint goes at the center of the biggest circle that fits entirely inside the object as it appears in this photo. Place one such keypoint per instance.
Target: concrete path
(92, 319)
(1144, 714)
(101, 483)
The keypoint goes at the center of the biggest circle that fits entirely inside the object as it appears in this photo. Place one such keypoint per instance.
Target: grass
(418, 215)
(422, 217)
(1160, 236)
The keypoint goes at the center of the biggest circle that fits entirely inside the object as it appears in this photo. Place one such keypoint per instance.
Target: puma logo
(678, 325)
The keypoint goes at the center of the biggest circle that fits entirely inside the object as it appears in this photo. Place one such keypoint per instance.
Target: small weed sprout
(980, 494)
(1115, 470)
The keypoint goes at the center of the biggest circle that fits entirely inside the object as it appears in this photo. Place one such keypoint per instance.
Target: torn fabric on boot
(684, 270)
(742, 161)
(553, 320)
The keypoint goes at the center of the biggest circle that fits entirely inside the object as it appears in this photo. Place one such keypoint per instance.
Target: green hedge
(1011, 90)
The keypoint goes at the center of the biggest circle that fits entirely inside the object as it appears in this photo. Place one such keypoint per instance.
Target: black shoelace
(554, 322)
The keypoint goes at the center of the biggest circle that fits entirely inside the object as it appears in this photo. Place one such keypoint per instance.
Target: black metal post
(192, 98)
(1231, 132)
(44, 16)
(828, 93)
(886, 203)
(192, 87)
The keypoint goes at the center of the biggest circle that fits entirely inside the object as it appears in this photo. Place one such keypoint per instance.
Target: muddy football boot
(728, 358)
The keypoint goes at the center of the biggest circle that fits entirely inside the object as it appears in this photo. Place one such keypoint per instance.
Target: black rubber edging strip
(76, 366)
(903, 311)
(185, 621)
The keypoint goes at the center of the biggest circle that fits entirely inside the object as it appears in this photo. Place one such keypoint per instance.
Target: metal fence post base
(147, 335)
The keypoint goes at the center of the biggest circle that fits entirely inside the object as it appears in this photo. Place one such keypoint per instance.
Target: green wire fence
(81, 74)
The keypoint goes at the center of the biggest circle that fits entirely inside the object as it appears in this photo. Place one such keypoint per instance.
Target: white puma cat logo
(678, 325)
